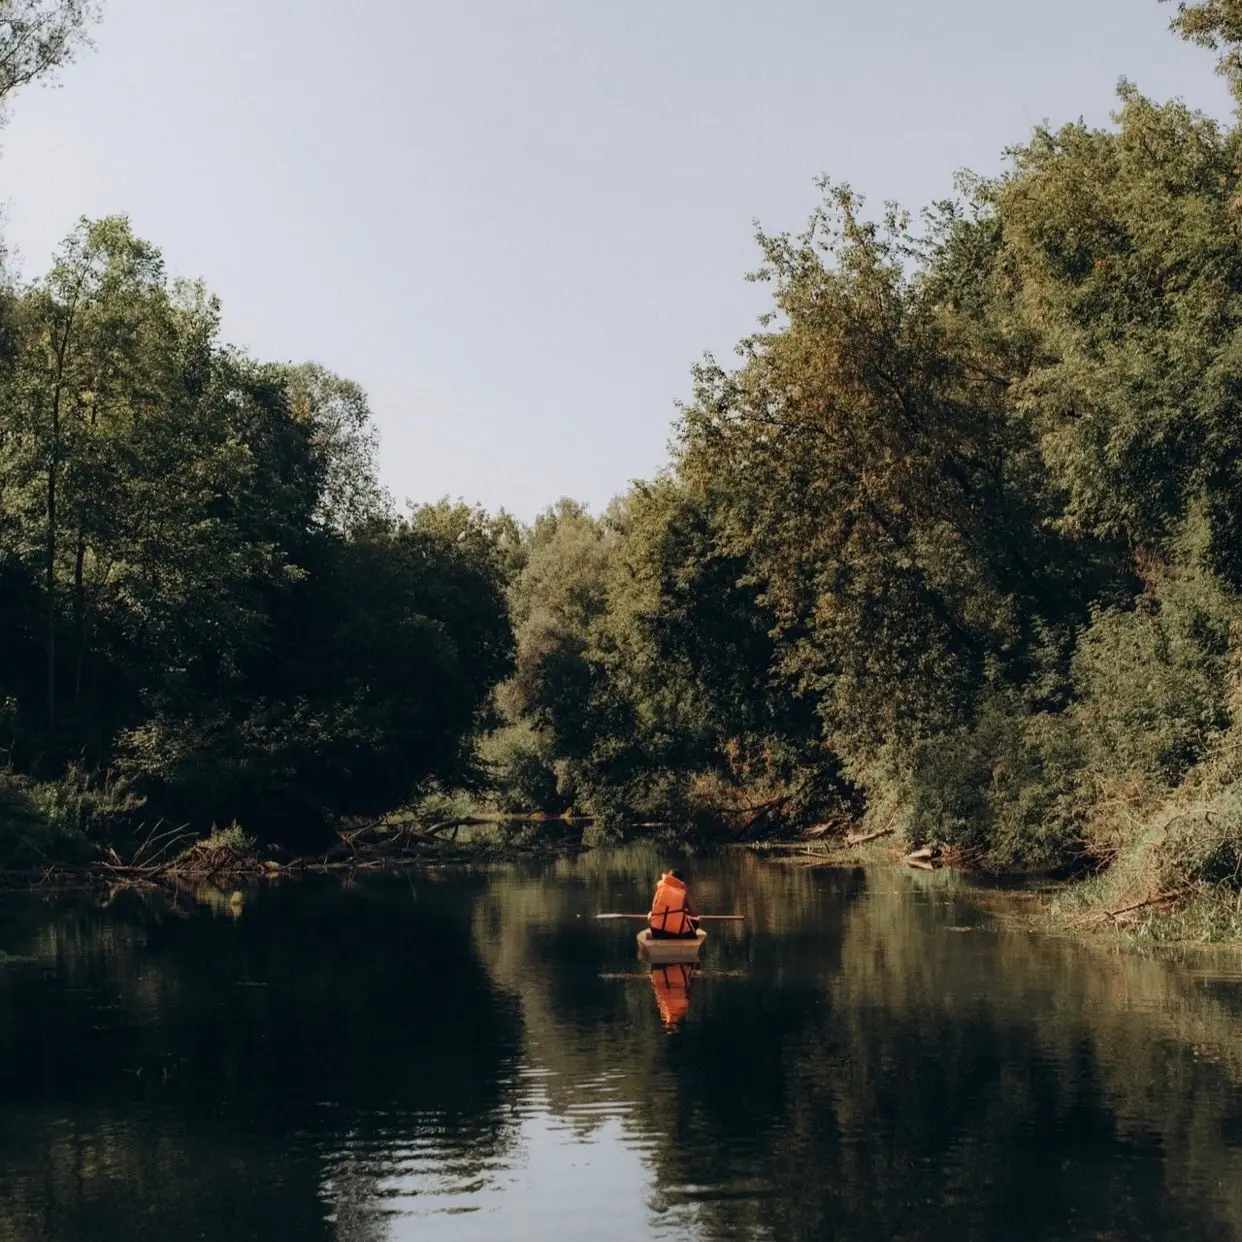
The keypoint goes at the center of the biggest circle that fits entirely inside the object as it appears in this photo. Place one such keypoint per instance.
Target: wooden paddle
(719, 918)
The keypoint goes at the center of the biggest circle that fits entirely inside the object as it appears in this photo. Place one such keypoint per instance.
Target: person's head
(677, 875)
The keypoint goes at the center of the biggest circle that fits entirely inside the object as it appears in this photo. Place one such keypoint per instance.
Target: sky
(518, 223)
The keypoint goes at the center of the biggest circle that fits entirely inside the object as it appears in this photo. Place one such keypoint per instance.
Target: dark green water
(468, 1056)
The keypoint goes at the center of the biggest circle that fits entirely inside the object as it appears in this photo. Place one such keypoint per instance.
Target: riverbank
(229, 856)
(1143, 894)
(1175, 881)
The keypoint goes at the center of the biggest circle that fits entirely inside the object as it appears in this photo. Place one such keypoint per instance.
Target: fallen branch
(1158, 900)
(870, 836)
(464, 821)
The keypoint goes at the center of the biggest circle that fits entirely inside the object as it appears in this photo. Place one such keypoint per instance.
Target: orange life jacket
(672, 992)
(668, 907)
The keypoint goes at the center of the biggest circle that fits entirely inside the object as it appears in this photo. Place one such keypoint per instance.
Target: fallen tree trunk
(869, 836)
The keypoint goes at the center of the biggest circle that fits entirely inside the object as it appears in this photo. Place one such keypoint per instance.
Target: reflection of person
(671, 985)
(672, 916)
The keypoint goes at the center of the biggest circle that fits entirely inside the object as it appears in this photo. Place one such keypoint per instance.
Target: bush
(1153, 682)
(1204, 846)
(220, 850)
(521, 771)
(44, 823)
(1002, 791)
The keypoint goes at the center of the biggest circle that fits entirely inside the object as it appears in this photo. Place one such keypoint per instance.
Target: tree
(1217, 25)
(865, 476)
(383, 654)
(97, 332)
(345, 441)
(38, 37)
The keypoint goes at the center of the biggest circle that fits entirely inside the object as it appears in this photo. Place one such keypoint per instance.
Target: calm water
(468, 1056)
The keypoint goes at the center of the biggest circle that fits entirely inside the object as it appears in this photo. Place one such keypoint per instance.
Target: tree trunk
(53, 469)
(79, 588)
(79, 616)
(50, 567)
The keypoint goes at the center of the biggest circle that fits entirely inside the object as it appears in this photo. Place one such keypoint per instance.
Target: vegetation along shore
(953, 551)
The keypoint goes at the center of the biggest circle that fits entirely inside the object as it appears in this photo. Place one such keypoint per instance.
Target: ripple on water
(549, 1171)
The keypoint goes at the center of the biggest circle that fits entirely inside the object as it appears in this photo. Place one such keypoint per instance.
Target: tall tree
(97, 326)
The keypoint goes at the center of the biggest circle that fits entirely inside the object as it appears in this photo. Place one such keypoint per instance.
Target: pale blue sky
(517, 223)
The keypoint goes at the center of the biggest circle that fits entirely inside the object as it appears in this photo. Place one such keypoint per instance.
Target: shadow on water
(472, 1055)
(183, 1073)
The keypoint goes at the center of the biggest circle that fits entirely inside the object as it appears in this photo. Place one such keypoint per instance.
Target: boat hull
(666, 952)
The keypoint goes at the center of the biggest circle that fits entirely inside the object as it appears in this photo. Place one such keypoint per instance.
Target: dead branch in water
(147, 854)
(1158, 900)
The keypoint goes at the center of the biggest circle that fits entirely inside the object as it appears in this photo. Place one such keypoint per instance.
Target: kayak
(683, 949)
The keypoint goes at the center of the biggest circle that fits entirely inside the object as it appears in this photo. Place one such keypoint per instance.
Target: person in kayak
(672, 916)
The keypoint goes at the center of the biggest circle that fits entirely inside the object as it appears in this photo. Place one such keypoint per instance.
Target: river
(467, 1054)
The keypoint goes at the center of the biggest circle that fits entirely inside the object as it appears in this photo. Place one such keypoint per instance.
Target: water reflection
(866, 1056)
(164, 1071)
(671, 985)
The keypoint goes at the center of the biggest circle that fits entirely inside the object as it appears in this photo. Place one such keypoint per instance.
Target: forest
(953, 548)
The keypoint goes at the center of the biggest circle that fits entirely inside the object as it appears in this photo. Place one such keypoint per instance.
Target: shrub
(1154, 680)
(521, 770)
(1002, 791)
(1204, 846)
(41, 824)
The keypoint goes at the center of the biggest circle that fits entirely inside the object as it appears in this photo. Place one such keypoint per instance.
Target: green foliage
(521, 770)
(207, 592)
(38, 37)
(1215, 24)
(644, 687)
(53, 821)
(1154, 679)
(955, 545)
(220, 840)
(388, 651)
(1125, 247)
(1206, 848)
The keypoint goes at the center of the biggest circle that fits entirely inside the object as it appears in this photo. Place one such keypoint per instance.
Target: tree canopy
(954, 545)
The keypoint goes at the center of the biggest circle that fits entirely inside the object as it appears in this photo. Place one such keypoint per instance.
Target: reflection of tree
(863, 1057)
(589, 1029)
(200, 1069)
(349, 1189)
(893, 1067)
(1052, 1086)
